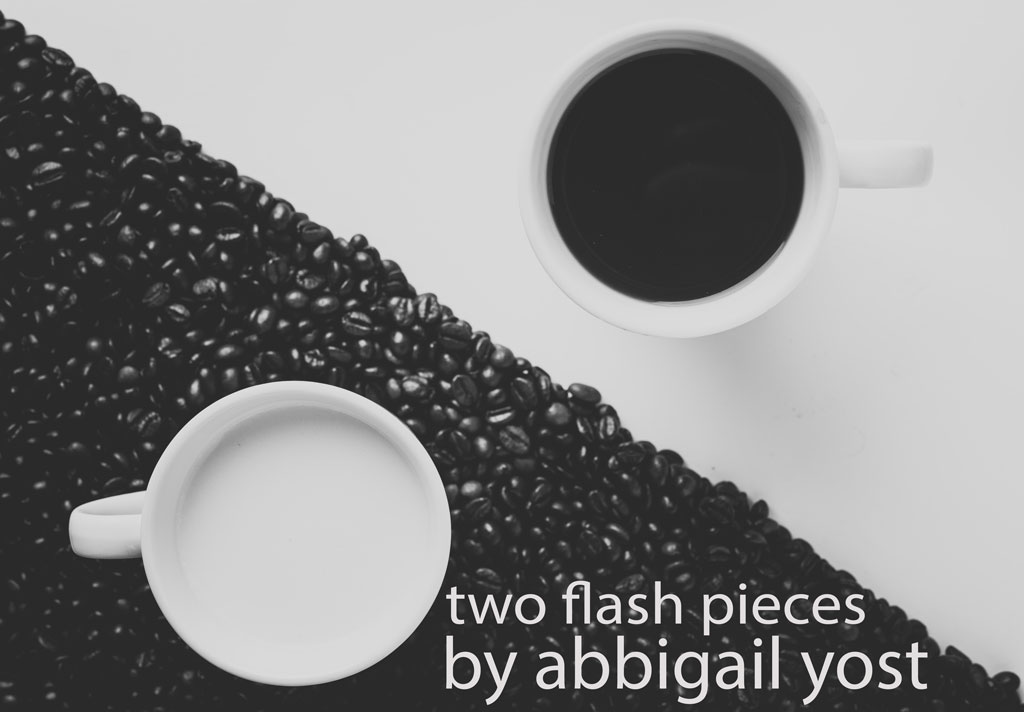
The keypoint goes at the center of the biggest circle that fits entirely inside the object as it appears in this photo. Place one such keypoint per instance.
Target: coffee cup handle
(884, 164)
(108, 528)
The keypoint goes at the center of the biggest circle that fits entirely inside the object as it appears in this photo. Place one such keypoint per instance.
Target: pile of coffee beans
(141, 279)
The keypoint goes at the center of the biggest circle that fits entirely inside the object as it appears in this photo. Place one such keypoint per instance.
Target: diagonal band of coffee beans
(141, 279)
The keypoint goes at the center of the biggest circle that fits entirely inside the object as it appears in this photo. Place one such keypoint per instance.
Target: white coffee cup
(828, 165)
(292, 533)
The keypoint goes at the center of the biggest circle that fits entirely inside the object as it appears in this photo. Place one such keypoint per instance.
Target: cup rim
(758, 292)
(169, 482)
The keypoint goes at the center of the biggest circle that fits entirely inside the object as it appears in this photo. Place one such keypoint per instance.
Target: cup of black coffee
(678, 180)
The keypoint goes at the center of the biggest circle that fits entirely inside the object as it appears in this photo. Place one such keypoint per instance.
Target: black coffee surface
(674, 175)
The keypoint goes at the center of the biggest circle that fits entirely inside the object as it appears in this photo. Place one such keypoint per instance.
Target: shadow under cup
(698, 229)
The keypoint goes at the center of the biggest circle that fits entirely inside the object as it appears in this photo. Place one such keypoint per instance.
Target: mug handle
(108, 528)
(884, 164)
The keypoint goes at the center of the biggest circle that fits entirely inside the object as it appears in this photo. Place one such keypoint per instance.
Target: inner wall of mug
(323, 621)
(740, 302)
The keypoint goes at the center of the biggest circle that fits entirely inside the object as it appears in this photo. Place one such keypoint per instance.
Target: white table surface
(878, 408)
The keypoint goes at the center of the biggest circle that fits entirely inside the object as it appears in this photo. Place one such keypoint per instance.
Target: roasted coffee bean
(205, 288)
(417, 388)
(169, 349)
(229, 236)
(229, 352)
(478, 509)
(311, 234)
(524, 393)
(473, 549)
(558, 415)
(402, 311)
(590, 545)
(608, 425)
(487, 581)
(718, 554)
(357, 324)
(501, 416)
(281, 215)
(587, 395)
(144, 423)
(483, 347)
(464, 391)
(128, 375)
(514, 439)
(48, 174)
(585, 430)
(455, 335)
(428, 310)
(471, 425)
(501, 357)
(276, 271)
(613, 549)
(308, 280)
(630, 486)
(365, 260)
(630, 584)
(717, 509)
(325, 304)
(597, 503)
(1007, 680)
(657, 470)
(755, 538)
(296, 299)
(178, 313)
(495, 398)
(364, 348)
(156, 295)
(489, 534)
(541, 494)
(472, 489)
(229, 380)
(263, 319)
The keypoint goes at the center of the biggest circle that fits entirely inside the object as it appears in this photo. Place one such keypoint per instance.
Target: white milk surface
(303, 526)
